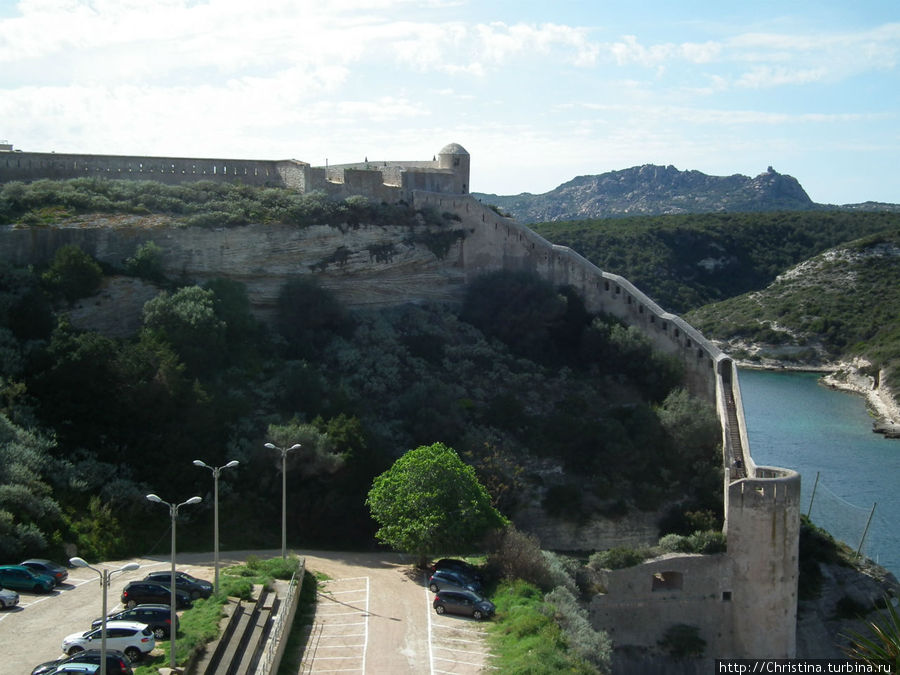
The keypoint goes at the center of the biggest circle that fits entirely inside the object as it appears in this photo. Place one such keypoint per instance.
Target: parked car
(157, 618)
(48, 567)
(197, 588)
(132, 638)
(149, 592)
(23, 579)
(466, 603)
(116, 662)
(8, 598)
(455, 565)
(76, 668)
(442, 579)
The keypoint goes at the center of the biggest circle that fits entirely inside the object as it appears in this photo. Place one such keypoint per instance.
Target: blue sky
(537, 92)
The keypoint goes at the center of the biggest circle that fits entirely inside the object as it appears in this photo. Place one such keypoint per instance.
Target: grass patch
(200, 624)
(525, 638)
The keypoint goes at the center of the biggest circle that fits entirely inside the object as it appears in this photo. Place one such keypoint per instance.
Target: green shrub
(146, 262)
(590, 645)
(617, 558)
(73, 273)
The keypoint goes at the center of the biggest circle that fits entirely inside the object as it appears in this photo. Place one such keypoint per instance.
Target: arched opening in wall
(606, 285)
(677, 332)
(664, 326)
(640, 309)
(667, 581)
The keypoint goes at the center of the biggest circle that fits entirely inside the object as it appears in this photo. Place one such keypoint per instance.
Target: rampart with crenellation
(743, 602)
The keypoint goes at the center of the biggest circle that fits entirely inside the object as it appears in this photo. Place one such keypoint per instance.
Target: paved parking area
(32, 632)
(340, 633)
(457, 643)
(374, 616)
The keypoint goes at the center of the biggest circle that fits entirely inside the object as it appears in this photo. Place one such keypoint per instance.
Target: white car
(133, 638)
(8, 598)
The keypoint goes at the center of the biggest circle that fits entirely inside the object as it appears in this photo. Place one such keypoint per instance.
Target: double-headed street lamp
(284, 452)
(215, 472)
(173, 512)
(105, 574)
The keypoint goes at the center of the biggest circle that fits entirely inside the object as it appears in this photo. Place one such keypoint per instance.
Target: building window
(667, 581)
(726, 596)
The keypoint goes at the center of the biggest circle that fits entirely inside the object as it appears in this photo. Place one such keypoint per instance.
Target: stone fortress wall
(743, 601)
(384, 180)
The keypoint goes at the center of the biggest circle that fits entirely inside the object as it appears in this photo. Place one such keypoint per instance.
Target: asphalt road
(374, 615)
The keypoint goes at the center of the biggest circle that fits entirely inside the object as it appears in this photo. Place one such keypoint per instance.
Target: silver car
(8, 598)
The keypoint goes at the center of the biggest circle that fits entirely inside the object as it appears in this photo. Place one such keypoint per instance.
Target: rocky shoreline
(851, 377)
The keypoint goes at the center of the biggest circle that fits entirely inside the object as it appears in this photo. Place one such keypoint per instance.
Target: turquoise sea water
(794, 422)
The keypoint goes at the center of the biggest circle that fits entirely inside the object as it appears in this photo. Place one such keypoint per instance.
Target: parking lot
(32, 632)
(374, 615)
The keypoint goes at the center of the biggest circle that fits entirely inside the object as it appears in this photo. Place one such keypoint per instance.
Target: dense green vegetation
(839, 304)
(686, 261)
(199, 204)
(89, 424)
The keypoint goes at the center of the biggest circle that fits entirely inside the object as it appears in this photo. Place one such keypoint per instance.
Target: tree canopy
(430, 501)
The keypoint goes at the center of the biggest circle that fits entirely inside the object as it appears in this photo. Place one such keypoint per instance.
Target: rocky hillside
(655, 190)
(839, 307)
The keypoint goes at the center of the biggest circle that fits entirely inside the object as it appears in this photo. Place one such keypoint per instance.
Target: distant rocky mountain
(658, 190)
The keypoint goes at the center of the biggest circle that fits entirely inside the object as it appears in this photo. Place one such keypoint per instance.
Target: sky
(537, 92)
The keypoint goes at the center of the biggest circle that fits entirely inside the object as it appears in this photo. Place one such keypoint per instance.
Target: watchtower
(456, 158)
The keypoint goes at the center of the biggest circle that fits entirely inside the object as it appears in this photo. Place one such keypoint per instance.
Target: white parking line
(333, 622)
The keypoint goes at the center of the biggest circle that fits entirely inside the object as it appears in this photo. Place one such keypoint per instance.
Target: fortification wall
(497, 243)
(31, 166)
(388, 181)
(645, 601)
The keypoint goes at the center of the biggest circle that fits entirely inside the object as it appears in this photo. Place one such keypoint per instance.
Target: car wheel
(38, 588)
(434, 588)
(133, 654)
(477, 614)
(2, 605)
(131, 604)
(195, 595)
(160, 633)
(74, 650)
(439, 609)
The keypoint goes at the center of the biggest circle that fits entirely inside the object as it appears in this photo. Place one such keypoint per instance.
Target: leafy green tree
(317, 453)
(73, 273)
(519, 308)
(29, 513)
(187, 319)
(309, 316)
(430, 501)
(146, 262)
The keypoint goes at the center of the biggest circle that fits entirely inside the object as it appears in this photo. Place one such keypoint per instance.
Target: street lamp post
(215, 472)
(284, 452)
(173, 512)
(105, 575)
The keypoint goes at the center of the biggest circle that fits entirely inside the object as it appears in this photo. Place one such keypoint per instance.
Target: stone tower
(456, 158)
